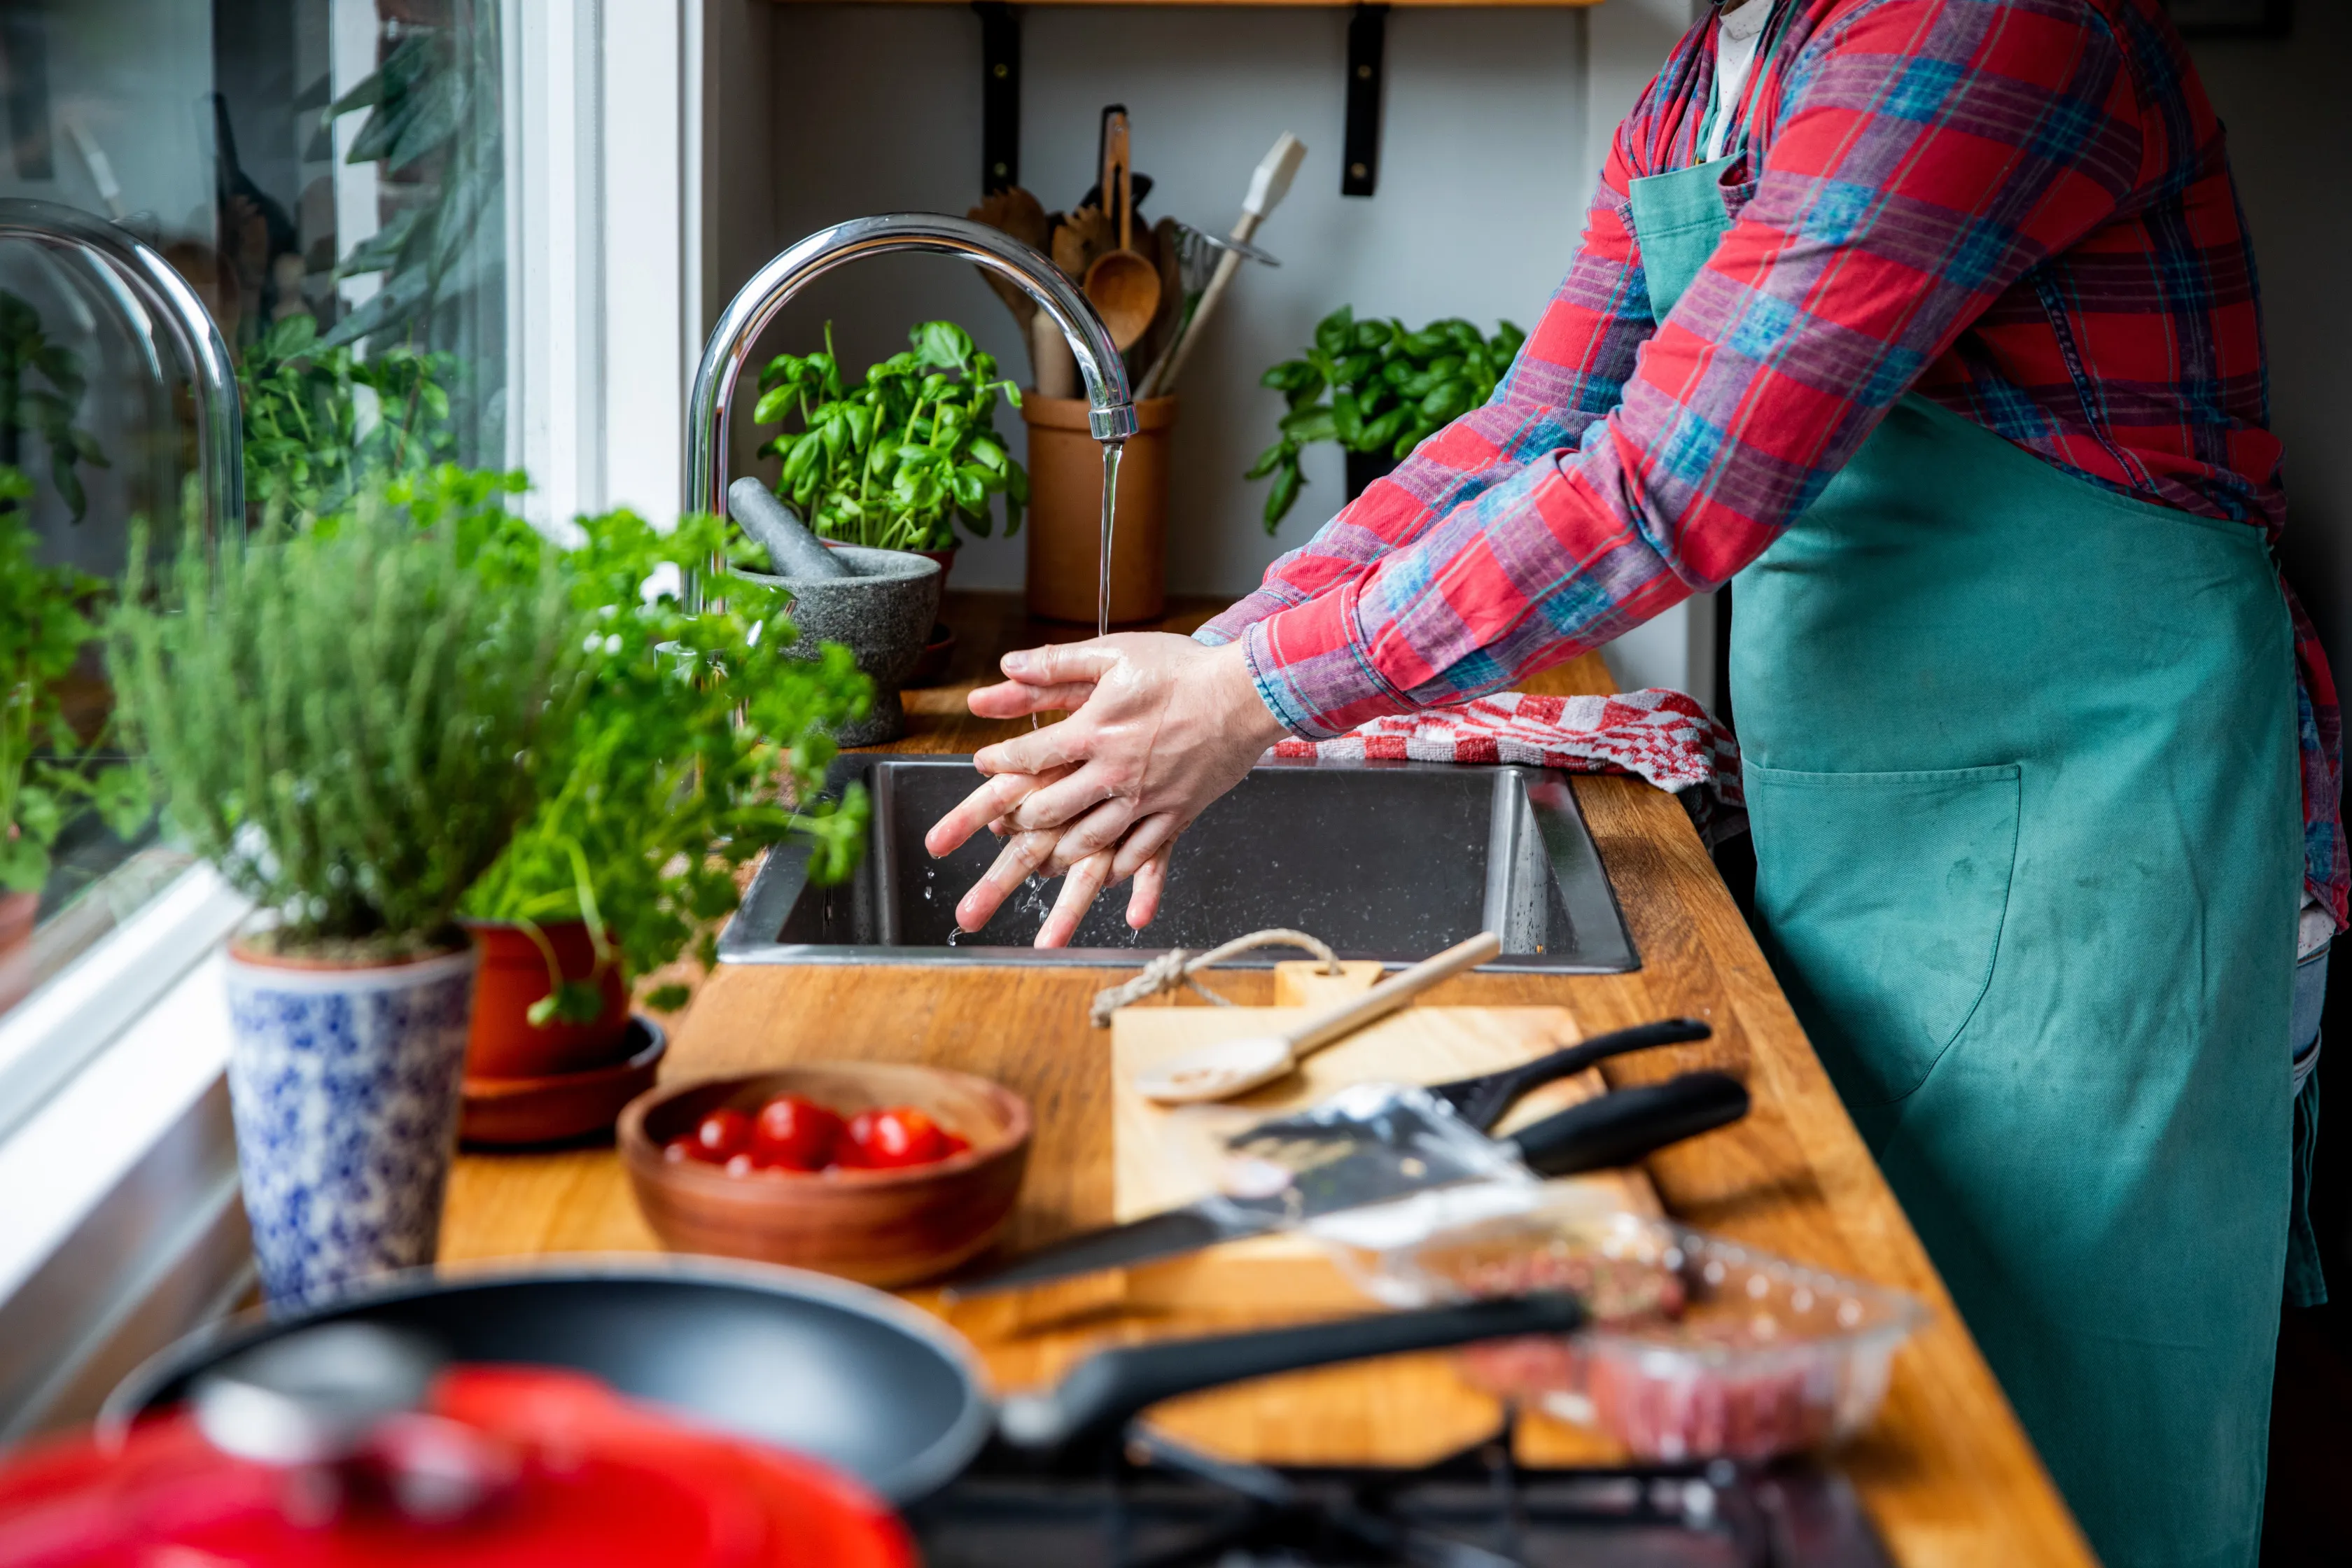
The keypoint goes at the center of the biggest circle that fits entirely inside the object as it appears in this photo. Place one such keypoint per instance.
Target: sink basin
(1386, 860)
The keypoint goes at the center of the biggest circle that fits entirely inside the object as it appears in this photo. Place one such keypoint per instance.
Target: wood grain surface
(1945, 1472)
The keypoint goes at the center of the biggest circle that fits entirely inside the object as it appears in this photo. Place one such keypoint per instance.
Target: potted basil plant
(1380, 390)
(347, 722)
(900, 459)
(49, 775)
(664, 785)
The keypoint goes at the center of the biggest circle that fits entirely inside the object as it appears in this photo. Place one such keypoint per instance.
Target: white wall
(1495, 123)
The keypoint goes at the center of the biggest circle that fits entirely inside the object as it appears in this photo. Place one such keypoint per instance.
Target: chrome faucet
(146, 288)
(1111, 418)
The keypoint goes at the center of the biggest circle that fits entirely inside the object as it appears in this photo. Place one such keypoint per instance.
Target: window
(331, 177)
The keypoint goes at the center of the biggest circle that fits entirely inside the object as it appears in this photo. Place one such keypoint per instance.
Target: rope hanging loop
(1178, 966)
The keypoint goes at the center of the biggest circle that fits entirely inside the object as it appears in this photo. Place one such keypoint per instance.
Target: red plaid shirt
(2020, 208)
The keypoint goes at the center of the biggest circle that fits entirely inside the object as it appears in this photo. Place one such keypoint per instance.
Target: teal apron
(2021, 767)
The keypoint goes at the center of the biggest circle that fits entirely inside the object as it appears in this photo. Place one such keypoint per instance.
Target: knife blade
(1614, 1129)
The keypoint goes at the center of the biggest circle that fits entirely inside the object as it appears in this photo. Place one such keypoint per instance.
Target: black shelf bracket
(1359, 157)
(1000, 95)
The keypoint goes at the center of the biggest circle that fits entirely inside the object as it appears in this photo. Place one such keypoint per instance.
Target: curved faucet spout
(148, 286)
(1111, 418)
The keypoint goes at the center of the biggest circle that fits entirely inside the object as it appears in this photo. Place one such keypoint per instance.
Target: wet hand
(1160, 726)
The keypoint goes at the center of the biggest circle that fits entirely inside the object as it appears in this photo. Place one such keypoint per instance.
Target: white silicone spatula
(1235, 1067)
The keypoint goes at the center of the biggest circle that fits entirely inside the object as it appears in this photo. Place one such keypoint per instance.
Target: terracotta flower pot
(505, 1043)
(1065, 526)
(343, 1083)
(18, 911)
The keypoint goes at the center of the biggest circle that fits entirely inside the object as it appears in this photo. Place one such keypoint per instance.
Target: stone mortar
(883, 615)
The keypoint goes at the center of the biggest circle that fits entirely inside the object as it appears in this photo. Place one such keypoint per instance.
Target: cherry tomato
(679, 1150)
(722, 1135)
(794, 1133)
(894, 1137)
(740, 1165)
(956, 1145)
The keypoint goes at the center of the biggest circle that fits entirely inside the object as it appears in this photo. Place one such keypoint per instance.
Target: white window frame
(606, 292)
(121, 1226)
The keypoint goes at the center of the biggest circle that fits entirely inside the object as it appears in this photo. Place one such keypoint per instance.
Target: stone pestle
(792, 549)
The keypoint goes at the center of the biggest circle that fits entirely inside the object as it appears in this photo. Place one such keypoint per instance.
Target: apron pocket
(1880, 898)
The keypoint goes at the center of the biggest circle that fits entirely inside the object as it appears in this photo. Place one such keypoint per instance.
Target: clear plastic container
(1699, 1348)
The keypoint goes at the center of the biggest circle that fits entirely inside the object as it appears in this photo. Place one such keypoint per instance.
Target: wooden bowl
(518, 1112)
(879, 1227)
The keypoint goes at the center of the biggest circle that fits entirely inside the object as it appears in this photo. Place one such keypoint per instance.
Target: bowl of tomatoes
(883, 1172)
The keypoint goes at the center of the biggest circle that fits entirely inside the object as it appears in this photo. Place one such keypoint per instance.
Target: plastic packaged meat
(1699, 1348)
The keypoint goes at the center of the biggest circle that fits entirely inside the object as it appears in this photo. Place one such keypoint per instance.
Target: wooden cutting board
(1163, 1157)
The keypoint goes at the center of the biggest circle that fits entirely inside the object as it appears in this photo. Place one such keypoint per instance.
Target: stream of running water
(1109, 516)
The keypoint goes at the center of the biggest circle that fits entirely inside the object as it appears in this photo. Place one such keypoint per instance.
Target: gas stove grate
(1161, 1506)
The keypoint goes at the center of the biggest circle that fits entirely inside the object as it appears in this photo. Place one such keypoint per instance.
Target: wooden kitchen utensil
(1237, 1066)
(1123, 284)
(1020, 215)
(1167, 250)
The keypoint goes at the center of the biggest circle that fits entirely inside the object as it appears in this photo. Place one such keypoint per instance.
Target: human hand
(1160, 726)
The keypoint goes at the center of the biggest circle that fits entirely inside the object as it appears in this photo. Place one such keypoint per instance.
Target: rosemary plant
(348, 721)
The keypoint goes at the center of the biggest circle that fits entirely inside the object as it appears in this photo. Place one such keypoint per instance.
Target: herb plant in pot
(899, 461)
(346, 721)
(663, 783)
(1379, 390)
(48, 772)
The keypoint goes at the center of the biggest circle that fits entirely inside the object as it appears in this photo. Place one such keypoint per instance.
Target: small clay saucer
(513, 1113)
(938, 652)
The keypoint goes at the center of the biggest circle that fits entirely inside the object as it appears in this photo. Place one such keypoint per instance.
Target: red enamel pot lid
(584, 1477)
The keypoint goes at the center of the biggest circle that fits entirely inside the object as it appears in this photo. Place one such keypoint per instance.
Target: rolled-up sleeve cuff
(1314, 672)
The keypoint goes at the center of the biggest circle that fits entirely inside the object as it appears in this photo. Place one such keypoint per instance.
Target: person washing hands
(1160, 726)
(1934, 323)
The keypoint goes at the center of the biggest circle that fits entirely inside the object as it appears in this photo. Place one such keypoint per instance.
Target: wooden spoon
(1235, 1067)
(1123, 284)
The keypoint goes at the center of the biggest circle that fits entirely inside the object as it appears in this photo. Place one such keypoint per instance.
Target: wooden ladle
(1235, 1067)
(1123, 284)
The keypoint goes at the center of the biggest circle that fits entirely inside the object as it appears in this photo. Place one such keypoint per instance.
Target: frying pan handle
(1621, 1126)
(1095, 1402)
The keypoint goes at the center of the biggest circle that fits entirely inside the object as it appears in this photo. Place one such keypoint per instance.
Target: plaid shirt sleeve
(1924, 155)
(1570, 373)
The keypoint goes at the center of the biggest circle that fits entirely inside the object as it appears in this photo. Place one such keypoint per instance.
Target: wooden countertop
(1945, 1472)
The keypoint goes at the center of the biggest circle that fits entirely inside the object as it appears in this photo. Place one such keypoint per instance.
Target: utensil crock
(1065, 526)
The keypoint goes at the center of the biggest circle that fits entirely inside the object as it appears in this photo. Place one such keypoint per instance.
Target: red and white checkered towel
(1657, 735)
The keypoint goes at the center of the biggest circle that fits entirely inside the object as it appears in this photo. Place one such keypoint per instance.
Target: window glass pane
(329, 175)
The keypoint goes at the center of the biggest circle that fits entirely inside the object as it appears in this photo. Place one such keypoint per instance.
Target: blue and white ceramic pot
(345, 1083)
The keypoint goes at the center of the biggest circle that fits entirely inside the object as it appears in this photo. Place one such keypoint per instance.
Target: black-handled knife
(1621, 1126)
(1591, 1136)
(1482, 1101)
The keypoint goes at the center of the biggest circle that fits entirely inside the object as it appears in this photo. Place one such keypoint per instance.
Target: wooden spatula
(1235, 1067)
(1018, 214)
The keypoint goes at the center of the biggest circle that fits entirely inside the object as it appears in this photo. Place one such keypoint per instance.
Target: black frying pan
(851, 1375)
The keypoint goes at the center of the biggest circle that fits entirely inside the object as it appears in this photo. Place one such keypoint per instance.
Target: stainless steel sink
(1386, 860)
